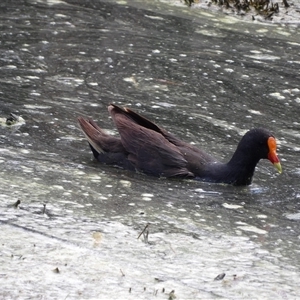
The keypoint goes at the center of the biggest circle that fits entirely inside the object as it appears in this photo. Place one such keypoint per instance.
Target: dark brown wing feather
(106, 148)
(149, 150)
(168, 150)
(143, 146)
(98, 139)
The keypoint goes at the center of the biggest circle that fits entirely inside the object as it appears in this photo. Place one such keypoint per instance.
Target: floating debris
(56, 270)
(286, 5)
(16, 204)
(145, 233)
(172, 295)
(220, 276)
(189, 2)
(12, 121)
(266, 8)
(97, 236)
(122, 273)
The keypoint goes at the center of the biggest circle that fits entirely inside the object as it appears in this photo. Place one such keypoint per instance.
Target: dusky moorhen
(145, 147)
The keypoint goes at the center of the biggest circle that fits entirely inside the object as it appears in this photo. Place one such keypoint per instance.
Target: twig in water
(145, 233)
(172, 295)
(16, 204)
(285, 3)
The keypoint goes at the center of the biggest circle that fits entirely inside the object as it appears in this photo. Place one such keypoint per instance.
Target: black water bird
(145, 147)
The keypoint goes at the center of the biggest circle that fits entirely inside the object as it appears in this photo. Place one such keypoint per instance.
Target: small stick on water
(285, 3)
(143, 231)
(16, 204)
(122, 273)
(172, 295)
(44, 209)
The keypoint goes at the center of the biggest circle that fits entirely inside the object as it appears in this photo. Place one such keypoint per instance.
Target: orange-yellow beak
(272, 156)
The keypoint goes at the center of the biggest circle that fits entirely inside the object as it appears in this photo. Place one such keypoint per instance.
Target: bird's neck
(242, 166)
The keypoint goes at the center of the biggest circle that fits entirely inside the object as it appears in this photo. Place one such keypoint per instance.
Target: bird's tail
(94, 134)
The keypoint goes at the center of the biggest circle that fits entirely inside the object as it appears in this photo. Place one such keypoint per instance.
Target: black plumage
(147, 148)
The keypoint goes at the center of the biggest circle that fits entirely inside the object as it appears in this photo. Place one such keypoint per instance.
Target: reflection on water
(205, 80)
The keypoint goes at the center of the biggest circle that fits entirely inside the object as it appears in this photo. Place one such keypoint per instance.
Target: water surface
(205, 77)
